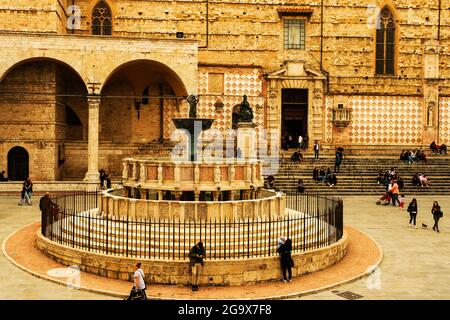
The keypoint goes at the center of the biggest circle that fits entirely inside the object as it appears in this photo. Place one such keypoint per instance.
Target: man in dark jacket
(196, 256)
(46, 206)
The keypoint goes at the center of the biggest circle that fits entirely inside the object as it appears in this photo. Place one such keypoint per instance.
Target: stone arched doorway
(18, 164)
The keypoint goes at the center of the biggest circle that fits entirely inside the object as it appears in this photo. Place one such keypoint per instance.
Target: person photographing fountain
(196, 255)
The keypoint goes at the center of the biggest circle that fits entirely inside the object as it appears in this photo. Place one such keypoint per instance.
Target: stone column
(216, 195)
(178, 194)
(197, 195)
(160, 174)
(134, 174)
(144, 194)
(142, 171)
(92, 175)
(125, 170)
(177, 173)
(254, 173)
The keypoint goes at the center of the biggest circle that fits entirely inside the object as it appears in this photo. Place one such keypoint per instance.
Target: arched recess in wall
(34, 97)
(18, 164)
(143, 95)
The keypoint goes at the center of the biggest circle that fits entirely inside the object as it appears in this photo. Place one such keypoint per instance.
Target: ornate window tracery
(385, 50)
(102, 19)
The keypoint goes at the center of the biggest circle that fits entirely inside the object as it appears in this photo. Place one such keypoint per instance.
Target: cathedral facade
(85, 83)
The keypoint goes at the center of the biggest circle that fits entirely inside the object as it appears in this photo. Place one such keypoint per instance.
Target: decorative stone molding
(341, 117)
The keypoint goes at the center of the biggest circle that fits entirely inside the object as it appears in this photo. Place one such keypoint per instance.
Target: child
(401, 199)
(281, 241)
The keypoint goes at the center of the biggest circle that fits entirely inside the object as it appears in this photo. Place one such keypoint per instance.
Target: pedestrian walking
(287, 263)
(338, 161)
(300, 142)
(196, 256)
(412, 209)
(139, 286)
(437, 214)
(27, 192)
(316, 148)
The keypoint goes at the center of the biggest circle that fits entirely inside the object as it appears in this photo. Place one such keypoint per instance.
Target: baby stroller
(384, 200)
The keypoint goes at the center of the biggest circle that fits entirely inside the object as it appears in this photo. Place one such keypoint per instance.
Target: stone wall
(43, 16)
(245, 45)
(252, 33)
(215, 272)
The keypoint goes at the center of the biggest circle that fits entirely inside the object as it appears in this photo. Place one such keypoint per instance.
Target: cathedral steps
(358, 174)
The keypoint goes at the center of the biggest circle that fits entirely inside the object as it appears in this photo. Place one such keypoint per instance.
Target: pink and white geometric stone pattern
(444, 120)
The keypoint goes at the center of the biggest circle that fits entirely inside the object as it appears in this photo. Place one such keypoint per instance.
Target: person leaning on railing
(196, 256)
(46, 205)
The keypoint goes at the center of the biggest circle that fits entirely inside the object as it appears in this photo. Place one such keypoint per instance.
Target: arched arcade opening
(138, 101)
(44, 105)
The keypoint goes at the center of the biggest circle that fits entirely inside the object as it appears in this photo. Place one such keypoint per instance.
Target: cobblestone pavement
(416, 262)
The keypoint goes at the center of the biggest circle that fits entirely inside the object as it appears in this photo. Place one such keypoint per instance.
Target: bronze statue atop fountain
(193, 101)
(245, 112)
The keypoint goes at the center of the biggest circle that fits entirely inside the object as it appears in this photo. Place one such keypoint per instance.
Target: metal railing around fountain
(312, 222)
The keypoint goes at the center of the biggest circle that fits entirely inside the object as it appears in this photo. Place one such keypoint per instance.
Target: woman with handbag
(412, 209)
(286, 260)
(437, 214)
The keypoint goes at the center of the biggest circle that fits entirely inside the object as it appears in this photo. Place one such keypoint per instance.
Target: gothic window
(101, 19)
(294, 34)
(385, 51)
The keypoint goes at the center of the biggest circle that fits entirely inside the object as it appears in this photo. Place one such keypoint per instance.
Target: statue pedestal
(246, 140)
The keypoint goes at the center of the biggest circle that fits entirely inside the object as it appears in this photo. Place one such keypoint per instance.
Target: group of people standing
(27, 192)
(105, 180)
(435, 211)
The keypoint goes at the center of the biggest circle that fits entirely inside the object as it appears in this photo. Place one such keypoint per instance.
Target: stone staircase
(358, 174)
